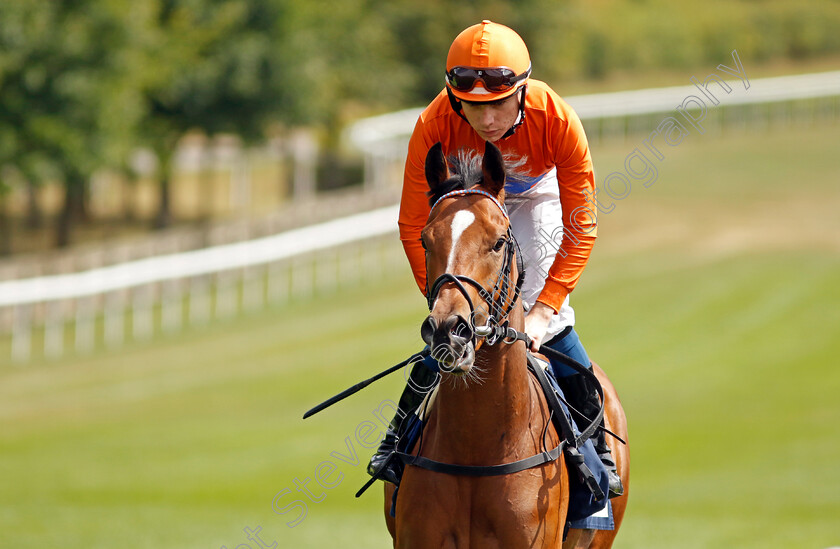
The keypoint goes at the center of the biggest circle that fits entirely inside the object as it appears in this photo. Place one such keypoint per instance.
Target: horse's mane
(465, 170)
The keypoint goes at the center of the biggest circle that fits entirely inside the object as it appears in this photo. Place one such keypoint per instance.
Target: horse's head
(470, 265)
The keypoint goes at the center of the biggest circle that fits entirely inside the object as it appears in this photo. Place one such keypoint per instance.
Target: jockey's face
(492, 120)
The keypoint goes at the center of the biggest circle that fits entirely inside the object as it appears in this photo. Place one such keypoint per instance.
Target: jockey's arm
(414, 207)
(576, 181)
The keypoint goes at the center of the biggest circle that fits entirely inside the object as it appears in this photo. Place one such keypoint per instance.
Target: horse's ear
(493, 168)
(436, 172)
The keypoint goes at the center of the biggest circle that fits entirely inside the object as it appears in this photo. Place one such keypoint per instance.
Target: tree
(213, 72)
(68, 89)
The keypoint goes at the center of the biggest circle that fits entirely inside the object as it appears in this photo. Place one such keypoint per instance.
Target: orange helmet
(487, 62)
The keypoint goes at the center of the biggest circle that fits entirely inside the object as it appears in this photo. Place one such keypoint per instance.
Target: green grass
(711, 299)
(728, 376)
(185, 443)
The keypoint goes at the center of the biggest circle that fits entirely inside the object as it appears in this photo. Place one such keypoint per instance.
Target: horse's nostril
(427, 329)
(462, 329)
(448, 336)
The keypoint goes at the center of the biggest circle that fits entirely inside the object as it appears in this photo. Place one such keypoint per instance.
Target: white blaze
(460, 222)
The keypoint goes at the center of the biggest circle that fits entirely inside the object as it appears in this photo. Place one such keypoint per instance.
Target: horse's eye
(423, 243)
(499, 245)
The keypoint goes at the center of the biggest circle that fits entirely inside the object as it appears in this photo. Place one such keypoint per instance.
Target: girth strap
(483, 470)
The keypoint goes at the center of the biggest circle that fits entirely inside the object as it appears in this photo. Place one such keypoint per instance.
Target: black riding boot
(420, 382)
(583, 396)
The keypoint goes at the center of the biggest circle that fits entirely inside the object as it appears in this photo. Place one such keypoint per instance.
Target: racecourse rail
(163, 294)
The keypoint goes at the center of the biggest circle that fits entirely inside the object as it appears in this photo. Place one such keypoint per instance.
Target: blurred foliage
(83, 82)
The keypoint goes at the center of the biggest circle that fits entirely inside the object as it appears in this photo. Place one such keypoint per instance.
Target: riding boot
(420, 382)
(583, 397)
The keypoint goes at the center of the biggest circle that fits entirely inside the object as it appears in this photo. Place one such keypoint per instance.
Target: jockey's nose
(487, 117)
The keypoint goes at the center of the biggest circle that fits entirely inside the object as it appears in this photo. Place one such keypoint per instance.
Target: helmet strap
(456, 104)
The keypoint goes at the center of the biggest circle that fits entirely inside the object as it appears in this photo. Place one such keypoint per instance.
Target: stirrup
(616, 486)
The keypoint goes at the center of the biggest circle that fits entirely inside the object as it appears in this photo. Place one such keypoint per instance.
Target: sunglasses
(495, 79)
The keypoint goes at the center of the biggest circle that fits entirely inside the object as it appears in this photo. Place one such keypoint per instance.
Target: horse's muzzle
(451, 341)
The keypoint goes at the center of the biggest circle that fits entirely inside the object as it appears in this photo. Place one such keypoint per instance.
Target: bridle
(500, 298)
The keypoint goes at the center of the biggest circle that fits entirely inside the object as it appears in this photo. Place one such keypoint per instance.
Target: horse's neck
(488, 417)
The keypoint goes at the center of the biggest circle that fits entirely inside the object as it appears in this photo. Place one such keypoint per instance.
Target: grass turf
(711, 299)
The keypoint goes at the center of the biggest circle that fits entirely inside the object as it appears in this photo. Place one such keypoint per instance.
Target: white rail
(199, 262)
(164, 294)
(661, 100)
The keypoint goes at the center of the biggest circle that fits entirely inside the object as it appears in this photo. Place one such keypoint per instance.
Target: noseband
(500, 306)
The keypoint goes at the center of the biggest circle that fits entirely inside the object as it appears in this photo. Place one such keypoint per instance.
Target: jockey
(549, 195)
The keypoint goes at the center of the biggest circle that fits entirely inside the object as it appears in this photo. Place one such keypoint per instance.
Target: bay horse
(488, 409)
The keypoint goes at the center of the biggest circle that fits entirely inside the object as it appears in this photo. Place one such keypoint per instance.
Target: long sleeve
(414, 207)
(576, 179)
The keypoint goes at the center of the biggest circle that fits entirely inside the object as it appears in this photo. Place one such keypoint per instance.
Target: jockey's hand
(536, 323)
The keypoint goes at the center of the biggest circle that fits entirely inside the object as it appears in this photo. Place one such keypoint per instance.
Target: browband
(459, 192)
